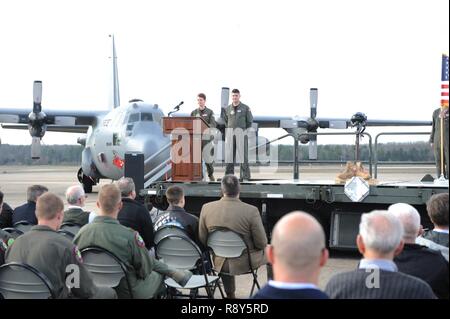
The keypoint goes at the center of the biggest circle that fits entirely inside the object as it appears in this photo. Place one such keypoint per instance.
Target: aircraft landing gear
(86, 181)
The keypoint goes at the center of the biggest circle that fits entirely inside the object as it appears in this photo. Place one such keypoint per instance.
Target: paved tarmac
(14, 181)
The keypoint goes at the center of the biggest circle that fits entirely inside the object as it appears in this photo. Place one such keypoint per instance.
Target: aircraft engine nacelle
(37, 124)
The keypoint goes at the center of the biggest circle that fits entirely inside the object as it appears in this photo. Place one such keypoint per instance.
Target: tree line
(71, 154)
(412, 151)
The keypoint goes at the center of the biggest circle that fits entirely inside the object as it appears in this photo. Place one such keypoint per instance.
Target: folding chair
(168, 230)
(23, 226)
(107, 270)
(228, 244)
(182, 253)
(3, 249)
(14, 232)
(70, 227)
(22, 281)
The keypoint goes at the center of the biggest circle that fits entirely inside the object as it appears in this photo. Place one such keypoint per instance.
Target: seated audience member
(133, 214)
(76, 198)
(26, 211)
(175, 215)
(377, 277)
(49, 252)
(5, 213)
(146, 274)
(437, 208)
(416, 260)
(297, 253)
(5, 241)
(241, 218)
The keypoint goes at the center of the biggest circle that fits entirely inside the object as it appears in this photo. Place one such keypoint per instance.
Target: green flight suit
(435, 138)
(49, 252)
(208, 115)
(142, 270)
(239, 116)
(76, 216)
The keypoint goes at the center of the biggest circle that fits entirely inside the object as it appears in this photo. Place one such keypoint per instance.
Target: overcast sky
(379, 57)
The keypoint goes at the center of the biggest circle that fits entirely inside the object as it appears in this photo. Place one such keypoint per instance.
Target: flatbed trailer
(325, 200)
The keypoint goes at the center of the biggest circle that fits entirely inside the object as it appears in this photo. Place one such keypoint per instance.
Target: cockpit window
(146, 117)
(133, 118)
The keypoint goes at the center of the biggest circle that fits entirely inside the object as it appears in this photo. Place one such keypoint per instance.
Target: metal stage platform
(324, 199)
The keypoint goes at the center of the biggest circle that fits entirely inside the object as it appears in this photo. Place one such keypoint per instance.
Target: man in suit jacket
(76, 198)
(417, 260)
(437, 208)
(377, 277)
(297, 253)
(5, 213)
(133, 214)
(27, 211)
(242, 218)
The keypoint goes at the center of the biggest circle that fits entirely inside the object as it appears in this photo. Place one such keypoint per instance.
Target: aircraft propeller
(37, 121)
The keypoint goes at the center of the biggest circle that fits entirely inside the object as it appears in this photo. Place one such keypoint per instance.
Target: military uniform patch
(139, 240)
(10, 242)
(77, 254)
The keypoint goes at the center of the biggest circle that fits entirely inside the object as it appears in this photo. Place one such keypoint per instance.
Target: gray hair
(126, 186)
(74, 193)
(230, 185)
(381, 231)
(34, 191)
(410, 219)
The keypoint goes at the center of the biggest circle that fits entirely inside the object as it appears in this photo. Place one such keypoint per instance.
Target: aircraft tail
(115, 96)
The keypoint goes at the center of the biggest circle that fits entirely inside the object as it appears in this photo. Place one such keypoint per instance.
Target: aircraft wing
(50, 128)
(57, 120)
(333, 123)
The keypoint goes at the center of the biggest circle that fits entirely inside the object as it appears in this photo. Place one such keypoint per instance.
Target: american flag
(444, 83)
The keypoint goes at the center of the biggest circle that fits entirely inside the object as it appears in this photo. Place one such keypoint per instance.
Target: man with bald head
(76, 198)
(297, 253)
(377, 277)
(417, 260)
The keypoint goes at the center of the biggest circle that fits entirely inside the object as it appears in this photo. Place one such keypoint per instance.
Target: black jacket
(134, 215)
(6, 216)
(426, 264)
(25, 212)
(270, 292)
(177, 216)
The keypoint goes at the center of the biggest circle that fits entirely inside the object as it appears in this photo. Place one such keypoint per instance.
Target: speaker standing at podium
(208, 115)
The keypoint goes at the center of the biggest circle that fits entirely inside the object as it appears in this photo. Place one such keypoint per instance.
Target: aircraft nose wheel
(86, 181)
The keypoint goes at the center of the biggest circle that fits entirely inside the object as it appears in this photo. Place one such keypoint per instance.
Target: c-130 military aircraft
(137, 127)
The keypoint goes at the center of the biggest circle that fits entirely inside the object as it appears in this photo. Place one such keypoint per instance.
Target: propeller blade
(312, 148)
(313, 93)
(224, 100)
(35, 148)
(37, 96)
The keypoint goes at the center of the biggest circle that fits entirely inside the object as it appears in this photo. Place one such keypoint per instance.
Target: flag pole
(442, 177)
(444, 106)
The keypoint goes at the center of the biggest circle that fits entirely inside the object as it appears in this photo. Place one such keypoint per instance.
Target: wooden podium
(191, 128)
